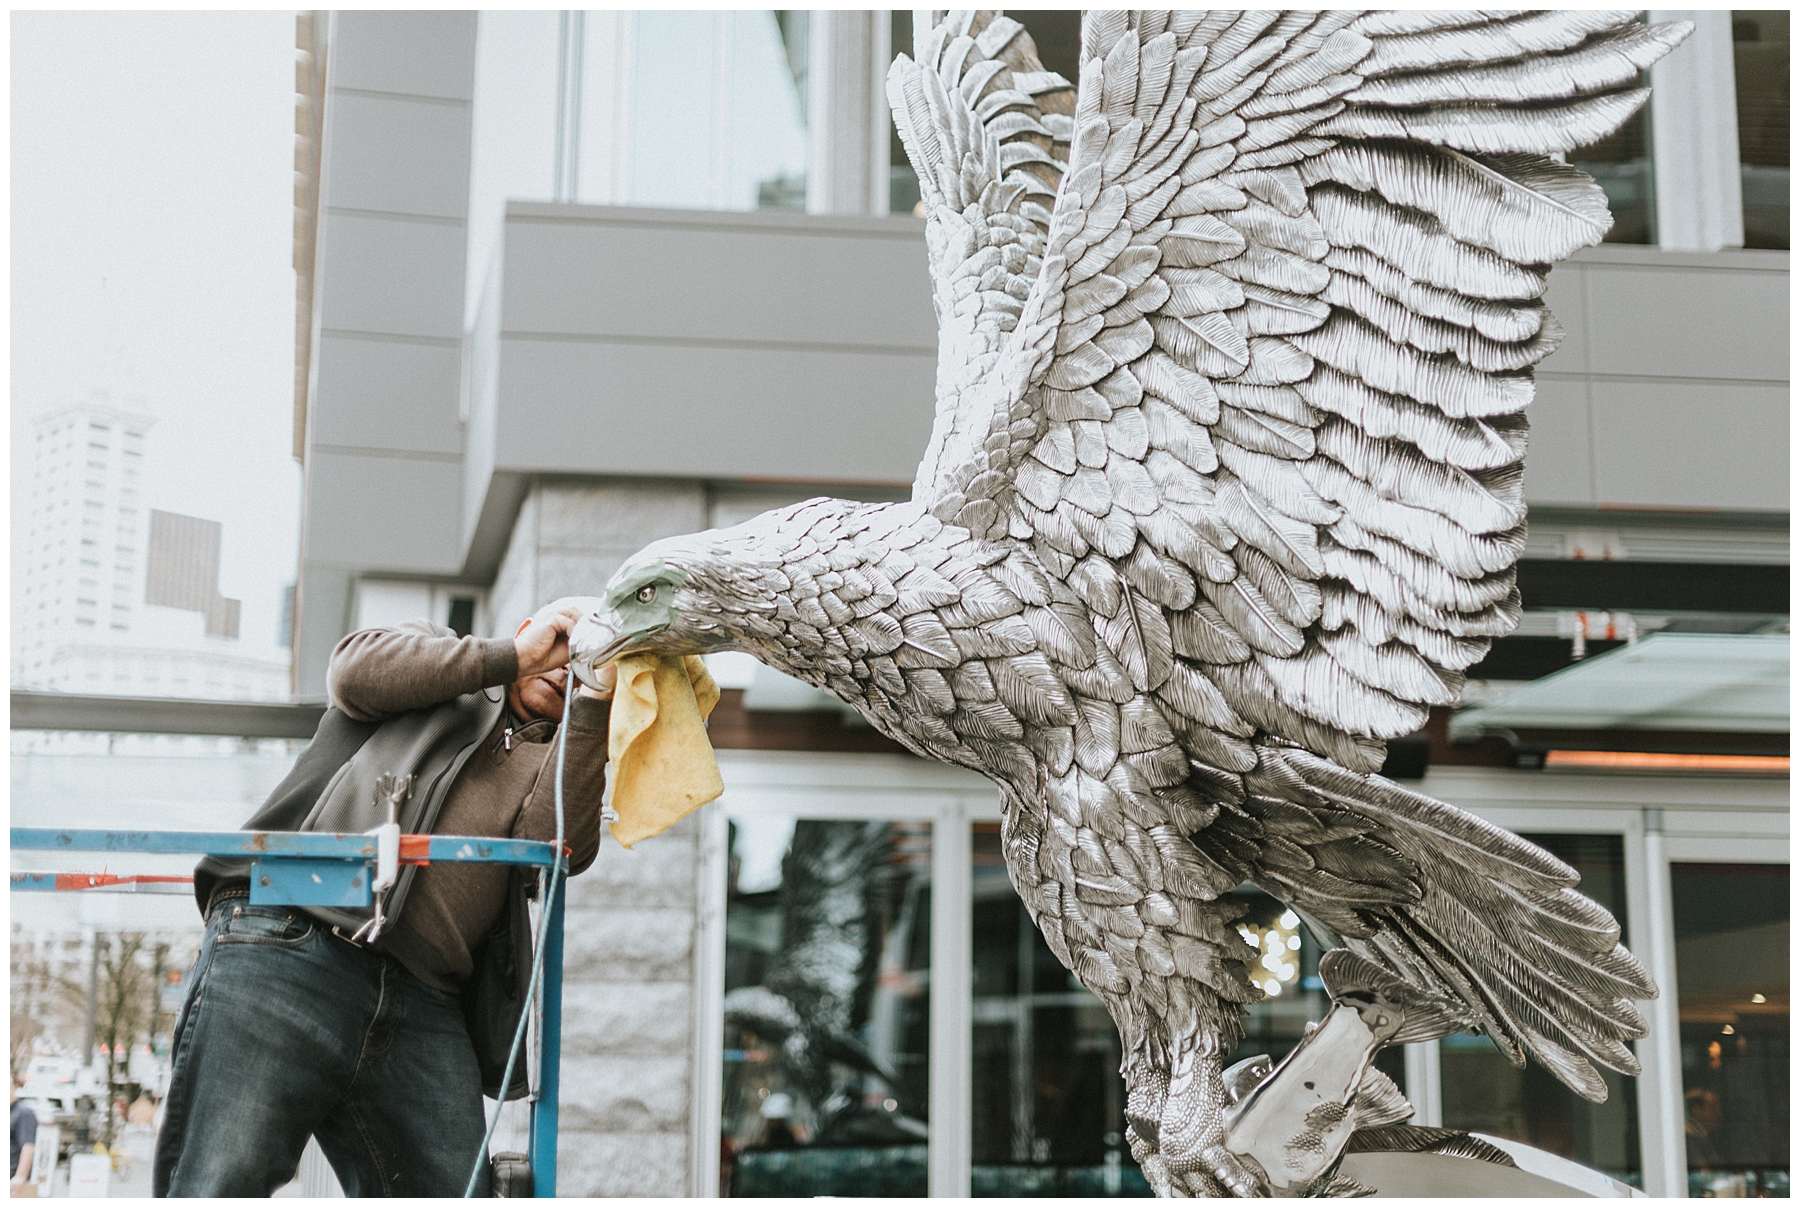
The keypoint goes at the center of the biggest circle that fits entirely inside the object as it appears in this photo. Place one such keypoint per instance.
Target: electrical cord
(570, 686)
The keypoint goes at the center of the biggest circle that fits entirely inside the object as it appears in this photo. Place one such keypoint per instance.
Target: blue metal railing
(321, 869)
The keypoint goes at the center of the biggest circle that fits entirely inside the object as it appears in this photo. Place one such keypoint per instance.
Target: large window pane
(1759, 51)
(1731, 962)
(827, 1008)
(1048, 1099)
(693, 109)
(1483, 1092)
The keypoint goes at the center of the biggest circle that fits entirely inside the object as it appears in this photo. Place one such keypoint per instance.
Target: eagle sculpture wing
(1253, 389)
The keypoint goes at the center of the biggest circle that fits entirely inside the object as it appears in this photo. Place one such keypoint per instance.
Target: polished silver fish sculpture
(1224, 490)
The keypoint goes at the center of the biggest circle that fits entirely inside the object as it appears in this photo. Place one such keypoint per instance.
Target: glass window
(1483, 1092)
(827, 1008)
(1731, 967)
(1620, 164)
(1759, 52)
(686, 109)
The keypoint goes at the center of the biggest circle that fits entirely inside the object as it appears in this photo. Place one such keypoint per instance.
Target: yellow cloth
(663, 767)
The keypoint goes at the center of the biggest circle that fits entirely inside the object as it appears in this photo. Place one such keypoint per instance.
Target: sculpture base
(1537, 1175)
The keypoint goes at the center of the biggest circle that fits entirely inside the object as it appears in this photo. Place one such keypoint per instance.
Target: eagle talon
(1242, 1177)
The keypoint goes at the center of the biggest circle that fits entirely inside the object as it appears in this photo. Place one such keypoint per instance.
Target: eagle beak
(595, 641)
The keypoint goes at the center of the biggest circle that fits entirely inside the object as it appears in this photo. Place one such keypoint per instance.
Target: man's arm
(584, 780)
(376, 673)
(27, 1135)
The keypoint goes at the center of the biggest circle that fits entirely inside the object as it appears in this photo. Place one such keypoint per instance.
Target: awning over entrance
(1680, 681)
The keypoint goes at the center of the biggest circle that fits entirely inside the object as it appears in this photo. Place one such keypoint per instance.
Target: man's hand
(542, 642)
(608, 677)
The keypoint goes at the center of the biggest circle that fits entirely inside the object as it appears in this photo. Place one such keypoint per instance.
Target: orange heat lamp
(1666, 761)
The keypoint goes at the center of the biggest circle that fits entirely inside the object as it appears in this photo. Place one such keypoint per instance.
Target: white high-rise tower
(82, 566)
(112, 597)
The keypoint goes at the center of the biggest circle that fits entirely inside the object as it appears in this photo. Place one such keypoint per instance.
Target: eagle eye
(646, 593)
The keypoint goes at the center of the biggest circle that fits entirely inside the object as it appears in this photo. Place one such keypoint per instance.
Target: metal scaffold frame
(301, 869)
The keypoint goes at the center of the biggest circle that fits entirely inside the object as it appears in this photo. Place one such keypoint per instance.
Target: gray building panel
(392, 276)
(1691, 445)
(1667, 314)
(1567, 299)
(389, 394)
(691, 411)
(764, 277)
(392, 239)
(419, 53)
(371, 133)
(384, 512)
(1559, 466)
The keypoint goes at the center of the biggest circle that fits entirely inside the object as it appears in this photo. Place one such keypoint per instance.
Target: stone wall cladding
(514, 594)
(628, 1019)
(628, 988)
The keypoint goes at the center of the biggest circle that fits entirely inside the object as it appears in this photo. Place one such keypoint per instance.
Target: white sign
(43, 1155)
(89, 1175)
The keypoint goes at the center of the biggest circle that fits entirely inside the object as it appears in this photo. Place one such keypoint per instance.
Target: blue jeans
(288, 1032)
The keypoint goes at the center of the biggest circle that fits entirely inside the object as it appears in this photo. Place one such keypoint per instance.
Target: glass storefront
(1483, 1092)
(1048, 1101)
(827, 1008)
(1731, 964)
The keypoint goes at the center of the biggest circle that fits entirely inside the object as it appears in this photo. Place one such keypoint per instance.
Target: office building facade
(572, 282)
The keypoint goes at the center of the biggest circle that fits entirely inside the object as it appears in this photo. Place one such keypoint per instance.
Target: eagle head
(694, 594)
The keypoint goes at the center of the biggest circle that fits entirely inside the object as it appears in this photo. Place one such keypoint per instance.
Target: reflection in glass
(1620, 164)
(827, 1008)
(1759, 52)
(1483, 1092)
(1047, 1097)
(719, 119)
(1731, 966)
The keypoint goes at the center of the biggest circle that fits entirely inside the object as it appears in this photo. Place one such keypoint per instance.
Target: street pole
(156, 979)
(93, 993)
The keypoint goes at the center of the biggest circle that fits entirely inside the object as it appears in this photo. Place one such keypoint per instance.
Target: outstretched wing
(1274, 367)
(1263, 411)
(987, 130)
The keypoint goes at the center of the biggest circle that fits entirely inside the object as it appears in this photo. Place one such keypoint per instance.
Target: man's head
(534, 696)
(542, 643)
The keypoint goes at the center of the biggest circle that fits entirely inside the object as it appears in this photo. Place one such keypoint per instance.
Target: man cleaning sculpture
(1224, 490)
(379, 1034)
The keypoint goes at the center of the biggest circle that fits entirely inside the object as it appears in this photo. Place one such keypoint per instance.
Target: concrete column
(846, 112)
(570, 538)
(1693, 138)
(384, 438)
(629, 1005)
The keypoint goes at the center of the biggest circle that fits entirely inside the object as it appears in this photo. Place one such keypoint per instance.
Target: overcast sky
(152, 243)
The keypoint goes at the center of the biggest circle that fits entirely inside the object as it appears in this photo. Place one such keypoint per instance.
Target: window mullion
(951, 986)
(1662, 1140)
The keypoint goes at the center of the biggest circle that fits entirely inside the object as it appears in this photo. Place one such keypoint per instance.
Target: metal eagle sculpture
(1224, 490)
